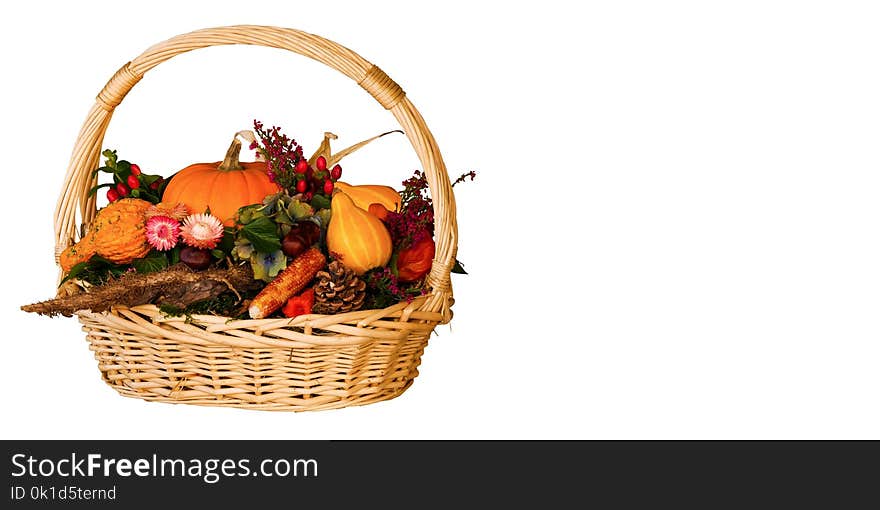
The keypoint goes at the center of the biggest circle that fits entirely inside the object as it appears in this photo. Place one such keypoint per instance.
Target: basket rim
(392, 324)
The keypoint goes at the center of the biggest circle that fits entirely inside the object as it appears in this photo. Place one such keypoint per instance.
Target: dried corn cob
(288, 282)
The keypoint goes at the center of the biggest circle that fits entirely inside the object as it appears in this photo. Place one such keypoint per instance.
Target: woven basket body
(307, 363)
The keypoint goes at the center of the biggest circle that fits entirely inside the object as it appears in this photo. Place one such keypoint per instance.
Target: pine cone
(338, 290)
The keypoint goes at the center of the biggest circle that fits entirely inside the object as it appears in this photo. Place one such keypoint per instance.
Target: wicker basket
(307, 363)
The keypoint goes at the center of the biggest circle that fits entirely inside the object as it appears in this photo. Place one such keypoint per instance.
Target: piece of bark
(177, 286)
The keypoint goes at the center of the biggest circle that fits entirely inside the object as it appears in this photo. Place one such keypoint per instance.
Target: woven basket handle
(87, 151)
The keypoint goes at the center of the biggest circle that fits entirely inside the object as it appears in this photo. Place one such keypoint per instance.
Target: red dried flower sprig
(384, 288)
(465, 176)
(282, 154)
(415, 219)
(290, 169)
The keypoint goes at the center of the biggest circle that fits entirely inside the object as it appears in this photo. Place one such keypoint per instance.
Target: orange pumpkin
(223, 187)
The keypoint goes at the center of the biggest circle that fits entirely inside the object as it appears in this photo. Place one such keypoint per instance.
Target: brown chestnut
(302, 235)
(293, 244)
(196, 258)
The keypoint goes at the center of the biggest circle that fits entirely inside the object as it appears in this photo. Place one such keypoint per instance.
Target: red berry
(336, 173)
(135, 170)
(321, 163)
(133, 182)
(301, 166)
(156, 183)
(307, 196)
(112, 195)
(328, 187)
(301, 186)
(122, 189)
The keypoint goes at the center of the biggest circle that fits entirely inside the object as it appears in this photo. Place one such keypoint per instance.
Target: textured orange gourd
(364, 195)
(117, 234)
(79, 252)
(360, 239)
(119, 231)
(223, 187)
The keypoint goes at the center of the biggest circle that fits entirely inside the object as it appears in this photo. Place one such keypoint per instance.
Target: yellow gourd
(366, 194)
(360, 239)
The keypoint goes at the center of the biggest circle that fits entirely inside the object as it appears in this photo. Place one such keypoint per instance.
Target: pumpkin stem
(230, 162)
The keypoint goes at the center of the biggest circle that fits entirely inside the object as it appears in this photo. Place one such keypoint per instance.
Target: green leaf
(111, 158)
(263, 234)
(154, 261)
(149, 179)
(96, 270)
(74, 272)
(299, 210)
(392, 264)
(148, 196)
(106, 169)
(161, 190)
(227, 242)
(458, 268)
(324, 216)
(249, 213)
(175, 254)
(271, 203)
(281, 217)
(320, 202)
(136, 193)
(99, 186)
(123, 167)
(218, 254)
(266, 266)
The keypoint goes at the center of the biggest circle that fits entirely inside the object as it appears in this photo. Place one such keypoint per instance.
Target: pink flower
(202, 231)
(162, 232)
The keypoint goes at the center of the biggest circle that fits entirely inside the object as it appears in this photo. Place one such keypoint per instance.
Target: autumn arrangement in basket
(281, 236)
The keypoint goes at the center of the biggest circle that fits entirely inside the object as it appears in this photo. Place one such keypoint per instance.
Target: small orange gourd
(360, 239)
(364, 195)
(223, 187)
(74, 254)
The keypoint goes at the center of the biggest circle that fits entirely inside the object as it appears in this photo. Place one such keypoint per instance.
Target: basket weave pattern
(308, 363)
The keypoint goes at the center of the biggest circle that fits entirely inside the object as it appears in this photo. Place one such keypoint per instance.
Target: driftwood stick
(177, 286)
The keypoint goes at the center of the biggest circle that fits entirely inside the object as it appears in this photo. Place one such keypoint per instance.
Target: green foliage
(120, 169)
(226, 304)
(96, 271)
(266, 266)
(299, 210)
(263, 226)
(262, 232)
(320, 202)
(324, 217)
(152, 262)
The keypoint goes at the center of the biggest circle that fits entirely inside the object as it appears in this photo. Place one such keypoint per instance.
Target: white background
(673, 234)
